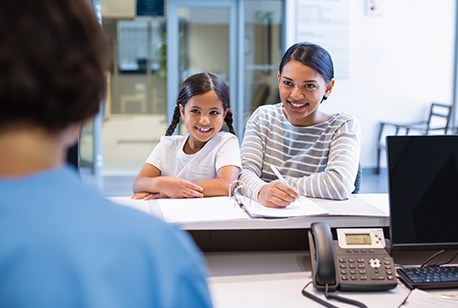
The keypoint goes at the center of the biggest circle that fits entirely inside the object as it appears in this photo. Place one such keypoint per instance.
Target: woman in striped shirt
(317, 153)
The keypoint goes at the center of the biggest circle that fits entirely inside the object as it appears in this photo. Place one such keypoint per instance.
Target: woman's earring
(325, 97)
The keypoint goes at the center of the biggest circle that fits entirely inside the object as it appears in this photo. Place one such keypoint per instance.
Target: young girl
(205, 161)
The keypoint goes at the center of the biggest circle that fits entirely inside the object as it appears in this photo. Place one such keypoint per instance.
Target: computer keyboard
(430, 277)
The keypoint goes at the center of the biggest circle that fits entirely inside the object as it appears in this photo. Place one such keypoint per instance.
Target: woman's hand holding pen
(277, 194)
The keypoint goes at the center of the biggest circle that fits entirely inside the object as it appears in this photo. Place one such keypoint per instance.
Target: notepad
(301, 207)
(200, 209)
(225, 208)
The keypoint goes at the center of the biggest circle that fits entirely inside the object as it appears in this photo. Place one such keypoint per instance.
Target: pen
(278, 174)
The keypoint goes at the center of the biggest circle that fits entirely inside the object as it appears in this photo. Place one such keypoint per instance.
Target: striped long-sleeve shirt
(319, 161)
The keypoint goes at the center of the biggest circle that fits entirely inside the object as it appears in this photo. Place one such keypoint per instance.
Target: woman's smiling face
(301, 91)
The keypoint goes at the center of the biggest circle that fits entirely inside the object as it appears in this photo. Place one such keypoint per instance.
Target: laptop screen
(423, 191)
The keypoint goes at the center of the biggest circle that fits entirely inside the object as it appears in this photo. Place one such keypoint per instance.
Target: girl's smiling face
(301, 90)
(203, 117)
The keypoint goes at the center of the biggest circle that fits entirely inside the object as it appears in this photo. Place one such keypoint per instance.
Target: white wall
(400, 62)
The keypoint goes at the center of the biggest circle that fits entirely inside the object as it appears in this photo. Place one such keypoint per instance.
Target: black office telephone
(356, 261)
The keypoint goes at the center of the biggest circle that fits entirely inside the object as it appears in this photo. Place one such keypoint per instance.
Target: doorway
(240, 40)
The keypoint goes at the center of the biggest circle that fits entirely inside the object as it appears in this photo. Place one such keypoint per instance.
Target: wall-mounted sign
(150, 7)
(326, 23)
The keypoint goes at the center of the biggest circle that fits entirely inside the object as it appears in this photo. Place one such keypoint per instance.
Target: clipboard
(303, 206)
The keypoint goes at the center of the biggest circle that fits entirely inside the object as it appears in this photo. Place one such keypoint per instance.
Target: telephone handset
(356, 261)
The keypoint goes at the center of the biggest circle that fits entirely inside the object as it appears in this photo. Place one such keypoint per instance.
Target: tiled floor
(121, 185)
(127, 141)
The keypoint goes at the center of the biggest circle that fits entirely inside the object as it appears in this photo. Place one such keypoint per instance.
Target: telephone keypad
(363, 265)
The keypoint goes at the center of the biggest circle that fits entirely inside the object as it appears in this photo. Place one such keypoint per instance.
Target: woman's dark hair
(198, 84)
(311, 55)
(53, 63)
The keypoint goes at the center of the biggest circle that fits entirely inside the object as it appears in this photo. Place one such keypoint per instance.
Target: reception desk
(223, 227)
(255, 262)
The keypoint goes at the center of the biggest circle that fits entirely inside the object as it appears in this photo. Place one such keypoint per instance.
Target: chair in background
(437, 123)
(358, 180)
(73, 157)
(260, 94)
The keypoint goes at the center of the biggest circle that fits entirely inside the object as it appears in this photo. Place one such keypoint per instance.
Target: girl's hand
(142, 195)
(171, 187)
(277, 195)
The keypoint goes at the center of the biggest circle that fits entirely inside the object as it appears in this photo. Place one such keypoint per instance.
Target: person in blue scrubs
(61, 243)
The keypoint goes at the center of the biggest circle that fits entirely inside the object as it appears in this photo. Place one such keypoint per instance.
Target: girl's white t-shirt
(221, 150)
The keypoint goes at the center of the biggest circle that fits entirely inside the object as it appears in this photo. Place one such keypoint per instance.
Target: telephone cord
(330, 296)
(316, 298)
